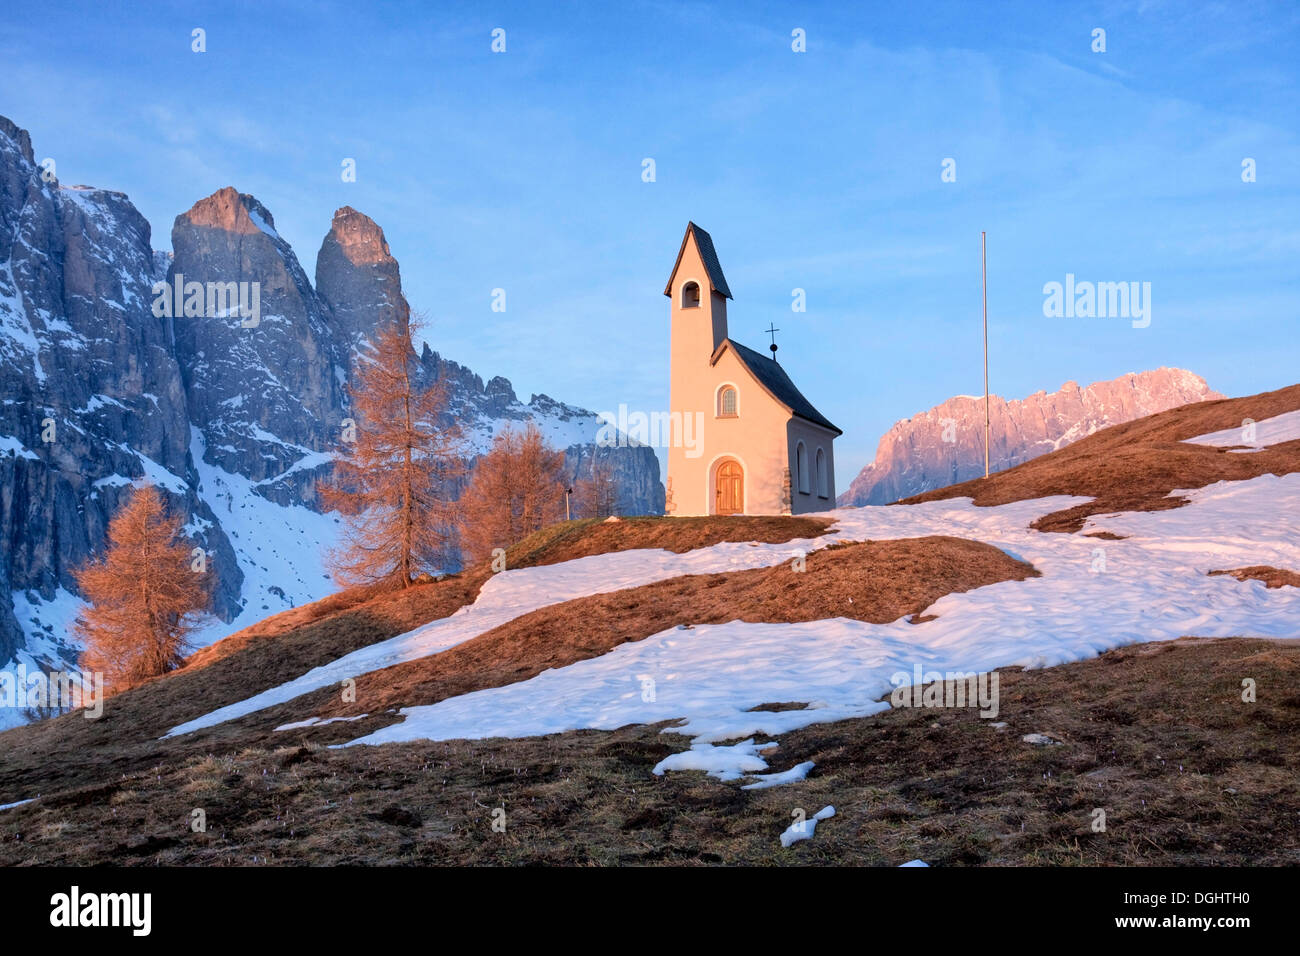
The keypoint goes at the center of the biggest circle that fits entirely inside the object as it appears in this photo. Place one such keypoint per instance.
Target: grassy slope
(876, 581)
(1186, 771)
(1156, 735)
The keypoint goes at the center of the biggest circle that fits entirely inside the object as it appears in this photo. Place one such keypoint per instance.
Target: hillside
(664, 690)
(1187, 776)
(1136, 466)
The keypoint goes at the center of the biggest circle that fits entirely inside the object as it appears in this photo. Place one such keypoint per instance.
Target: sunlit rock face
(945, 445)
(107, 380)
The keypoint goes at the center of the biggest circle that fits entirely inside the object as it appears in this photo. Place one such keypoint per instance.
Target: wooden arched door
(729, 489)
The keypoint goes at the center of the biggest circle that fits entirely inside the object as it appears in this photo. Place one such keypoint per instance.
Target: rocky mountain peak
(231, 211)
(358, 279)
(359, 238)
(20, 137)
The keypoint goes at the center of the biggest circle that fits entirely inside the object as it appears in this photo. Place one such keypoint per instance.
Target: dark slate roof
(708, 254)
(772, 376)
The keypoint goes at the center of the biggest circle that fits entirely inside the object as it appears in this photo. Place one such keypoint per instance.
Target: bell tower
(697, 296)
(698, 293)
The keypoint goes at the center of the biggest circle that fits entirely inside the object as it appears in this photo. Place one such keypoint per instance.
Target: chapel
(764, 449)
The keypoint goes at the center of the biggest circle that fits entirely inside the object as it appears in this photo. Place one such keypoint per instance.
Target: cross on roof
(772, 330)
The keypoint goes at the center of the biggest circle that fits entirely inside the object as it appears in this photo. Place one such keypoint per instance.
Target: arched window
(691, 295)
(801, 466)
(727, 402)
(823, 487)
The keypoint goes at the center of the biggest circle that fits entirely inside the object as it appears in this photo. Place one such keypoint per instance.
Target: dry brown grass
(71, 751)
(560, 542)
(1134, 466)
(1157, 735)
(1272, 577)
(877, 581)
(591, 536)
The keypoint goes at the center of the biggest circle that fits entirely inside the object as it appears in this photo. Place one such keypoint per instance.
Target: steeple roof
(704, 242)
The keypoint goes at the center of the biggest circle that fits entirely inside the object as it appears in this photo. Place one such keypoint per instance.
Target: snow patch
(281, 550)
(710, 676)
(12, 446)
(725, 763)
(804, 829)
(1271, 431)
(793, 775)
(319, 722)
(508, 595)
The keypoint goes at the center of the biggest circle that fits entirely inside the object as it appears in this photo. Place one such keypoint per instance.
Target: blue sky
(817, 170)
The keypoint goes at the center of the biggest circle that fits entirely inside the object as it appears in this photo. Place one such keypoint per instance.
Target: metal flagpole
(984, 280)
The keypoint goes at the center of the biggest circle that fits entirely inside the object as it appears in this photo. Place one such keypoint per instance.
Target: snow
(560, 431)
(804, 829)
(281, 550)
(110, 481)
(1155, 587)
(97, 402)
(1094, 595)
(12, 446)
(46, 627)
(506, 596)
(10, 806)
(308, 462)
(88, 198)
(318, 722)
(913, 863)
(793, 775)
(1270, 431)
(154, 473)
(262, 224)
(725, 763)
(15, 324)
(709, 675)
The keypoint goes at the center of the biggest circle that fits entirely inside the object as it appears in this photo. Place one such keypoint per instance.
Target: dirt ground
(1270, 576)
(1156, 737)
(884, 580)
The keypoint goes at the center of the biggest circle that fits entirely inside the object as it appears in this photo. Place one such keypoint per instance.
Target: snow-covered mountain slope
(1151, 586)
(280, 548)
(945, 445)
(1093, 595)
